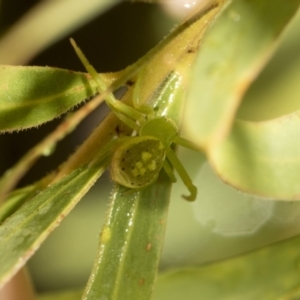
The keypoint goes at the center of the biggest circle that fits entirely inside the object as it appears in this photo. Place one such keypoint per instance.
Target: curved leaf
(262, 158)
(232, 53)
(278, 81)
(30, 96)
(223, 221)
(269, 273)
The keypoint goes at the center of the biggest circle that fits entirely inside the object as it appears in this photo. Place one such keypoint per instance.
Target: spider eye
(137, 162)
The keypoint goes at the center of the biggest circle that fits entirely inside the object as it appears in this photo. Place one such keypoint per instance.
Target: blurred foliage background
(221, 224)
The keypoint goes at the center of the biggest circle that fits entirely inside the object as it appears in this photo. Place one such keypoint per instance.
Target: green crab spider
(137, 160)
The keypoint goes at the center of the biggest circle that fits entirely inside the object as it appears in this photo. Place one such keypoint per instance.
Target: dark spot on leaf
(191, 50)
(130, 82)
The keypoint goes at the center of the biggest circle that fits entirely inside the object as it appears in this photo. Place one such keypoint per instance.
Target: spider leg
(115, 105)
(183, 174)
(127, 121)
(137, 91)
(169, 171)
(185, 143)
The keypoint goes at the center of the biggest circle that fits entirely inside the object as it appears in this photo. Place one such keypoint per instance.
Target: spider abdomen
(136, 163)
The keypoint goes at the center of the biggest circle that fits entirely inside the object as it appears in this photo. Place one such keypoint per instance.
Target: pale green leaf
(223, 221)
(269, 273)
(231, 55)
(276, 90)
(30, 96)
(262, 158)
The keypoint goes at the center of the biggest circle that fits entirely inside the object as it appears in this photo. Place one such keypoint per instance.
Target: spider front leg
(124, 112)
(183, 174)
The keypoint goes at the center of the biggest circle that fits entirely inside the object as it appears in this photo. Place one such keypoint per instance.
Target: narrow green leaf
(15, 200)
(130, 244)
(269, 273)
(25, 230)
(30, 96)
(231, 55)
(262, 158)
